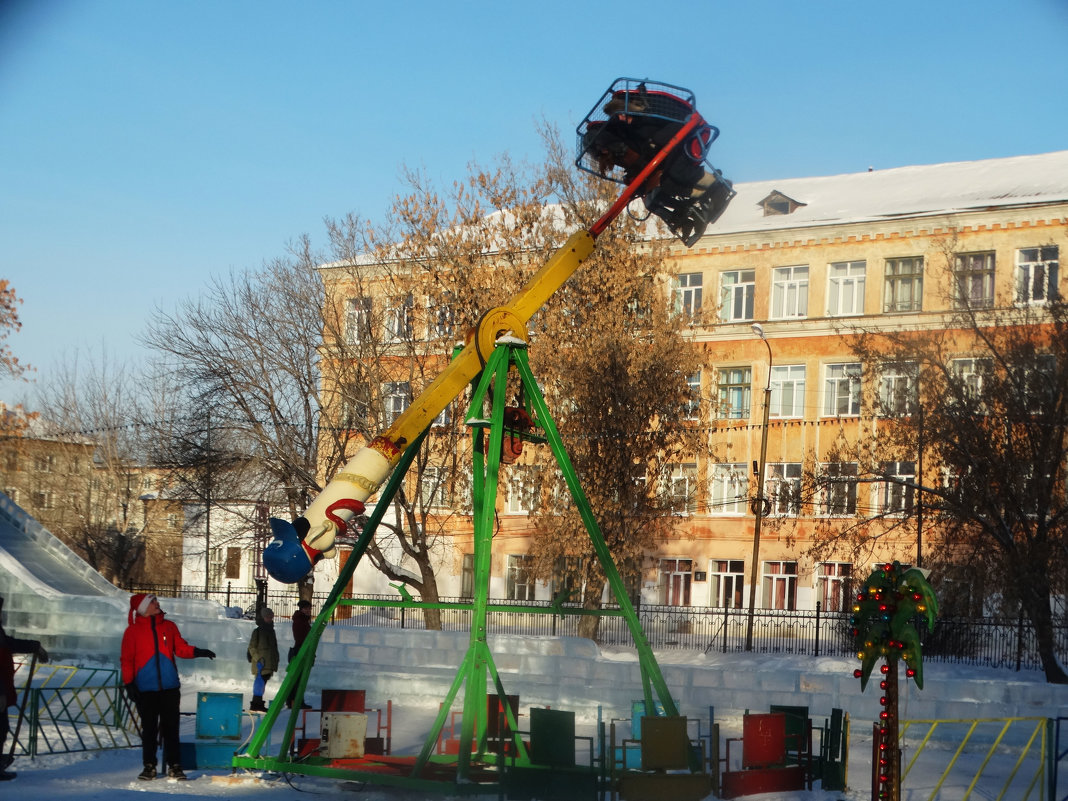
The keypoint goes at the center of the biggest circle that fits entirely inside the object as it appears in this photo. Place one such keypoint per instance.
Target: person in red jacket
(8, 696)
(149, 647)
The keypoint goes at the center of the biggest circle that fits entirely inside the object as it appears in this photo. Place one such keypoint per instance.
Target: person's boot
(149, 772)
(257, 704)
(176, 772)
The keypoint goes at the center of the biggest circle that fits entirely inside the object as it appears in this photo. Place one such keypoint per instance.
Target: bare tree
(89, 408)
(248, 349)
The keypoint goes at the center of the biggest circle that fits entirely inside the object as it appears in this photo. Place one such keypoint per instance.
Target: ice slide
(52, 594)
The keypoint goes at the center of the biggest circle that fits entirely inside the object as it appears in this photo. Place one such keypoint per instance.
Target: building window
(898, 494)
(845, 288)
(970, 375)
(782, 487)
(833, 590)
(841, 390)
(43, 499)
(788, 391)
(1036, 274)
(693, 404)
(358, 324)
(675, 578)
(442, 317)
(396, 395)
(399, 320)
(726, 579)
(1034, 382)
(233, 563)
(789, 293)
(780, 585)
(737, 292)
(898, 389)
(682, 483)
(688, 295)
(524, 488)
(174, 521)
(45, 463)
(903, 285)
(467, 576)
(433, 488)
(735, 391)
(973, 281)
(838, 489)
(730, 490)
(520, 584)
(567, 578)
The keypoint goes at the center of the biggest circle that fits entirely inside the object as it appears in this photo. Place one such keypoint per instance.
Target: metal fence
(988, 642)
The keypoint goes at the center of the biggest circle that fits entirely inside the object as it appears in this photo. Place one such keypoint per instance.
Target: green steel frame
(474, 760)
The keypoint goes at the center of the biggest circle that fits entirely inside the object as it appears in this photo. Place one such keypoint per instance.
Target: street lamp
(758, 329)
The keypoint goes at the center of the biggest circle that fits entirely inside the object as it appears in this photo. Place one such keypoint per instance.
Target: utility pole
(758, 329)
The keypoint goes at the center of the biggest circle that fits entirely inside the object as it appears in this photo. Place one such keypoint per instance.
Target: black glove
(132, 692)
(42, 654)
(198, 652)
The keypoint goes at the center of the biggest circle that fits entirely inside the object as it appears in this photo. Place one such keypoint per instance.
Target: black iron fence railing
(989, 642)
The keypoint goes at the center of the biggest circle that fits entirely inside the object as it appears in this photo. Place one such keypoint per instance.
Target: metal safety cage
(662, 105)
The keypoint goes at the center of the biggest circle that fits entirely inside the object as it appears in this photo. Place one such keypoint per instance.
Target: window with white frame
(688, 294)
(789, 293)
(737, 291)
(726, 579)
(970, 374)
(788, 390)
(841, 390)
(782, 486)
(1036, 274)
(519, 582)
(43, 499)
(358, 321)
(898, 389)
(838, 489)
(444, 417)
(845, 288)
(903, 285)
(780, 585)
(568, 578)
(524, 488)
(1034, 381)
(735, 392)
(682, 485)
(897, 494)
(674, 584)
(467, 576)
(398, 320)
(441, 318)
(433, 488)
(693, 405)
(396, 396)
(730, 490)
(973, 280)
(833, 586)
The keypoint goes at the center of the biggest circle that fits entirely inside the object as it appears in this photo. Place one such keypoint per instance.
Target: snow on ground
(111, 775)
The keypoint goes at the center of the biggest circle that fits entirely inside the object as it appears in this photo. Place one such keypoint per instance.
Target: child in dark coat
(263, 657)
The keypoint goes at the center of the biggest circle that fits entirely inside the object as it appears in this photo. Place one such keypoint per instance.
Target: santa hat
(139, 604)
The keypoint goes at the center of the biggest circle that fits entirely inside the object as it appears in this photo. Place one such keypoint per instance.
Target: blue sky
(146, 146)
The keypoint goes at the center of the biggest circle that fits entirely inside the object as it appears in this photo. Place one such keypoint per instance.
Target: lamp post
(758, 511)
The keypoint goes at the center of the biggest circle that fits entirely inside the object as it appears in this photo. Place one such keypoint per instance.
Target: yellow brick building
(806, 260)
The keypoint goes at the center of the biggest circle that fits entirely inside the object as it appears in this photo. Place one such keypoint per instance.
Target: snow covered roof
(925, 190)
